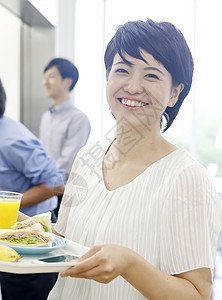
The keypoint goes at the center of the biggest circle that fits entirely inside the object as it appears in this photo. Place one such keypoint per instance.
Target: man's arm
(39, 193)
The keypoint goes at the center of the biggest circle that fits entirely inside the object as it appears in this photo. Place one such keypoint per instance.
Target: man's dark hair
(166, 44)
(2, 99)
(66, 69)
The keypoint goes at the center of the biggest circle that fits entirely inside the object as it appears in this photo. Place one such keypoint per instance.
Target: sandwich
(39, 223)
(27, 238)
(35, 231)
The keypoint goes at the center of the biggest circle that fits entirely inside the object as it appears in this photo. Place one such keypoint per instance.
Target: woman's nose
(133, 85)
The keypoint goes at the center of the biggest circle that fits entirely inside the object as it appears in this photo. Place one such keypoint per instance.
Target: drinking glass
(9, 207)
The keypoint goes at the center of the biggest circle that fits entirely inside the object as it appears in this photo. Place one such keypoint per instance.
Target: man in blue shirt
(25, 167)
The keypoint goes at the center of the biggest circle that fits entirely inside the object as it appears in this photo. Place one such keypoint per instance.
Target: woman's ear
(68, 82)
(175, 93)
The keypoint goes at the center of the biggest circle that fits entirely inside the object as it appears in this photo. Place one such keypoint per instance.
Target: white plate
(23, 250)
(57, 243)
(26, 265)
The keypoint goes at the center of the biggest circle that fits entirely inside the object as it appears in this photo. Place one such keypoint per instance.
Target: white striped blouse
(170, 214)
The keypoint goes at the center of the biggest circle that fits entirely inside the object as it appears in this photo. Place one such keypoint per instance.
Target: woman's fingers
(85, 264)
(97, 274)
(100, 263)
(89, 253)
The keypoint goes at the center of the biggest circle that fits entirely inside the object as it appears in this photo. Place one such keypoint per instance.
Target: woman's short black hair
(166, 44)
(2, 99)
(66, 69)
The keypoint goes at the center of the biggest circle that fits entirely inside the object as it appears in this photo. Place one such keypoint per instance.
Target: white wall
(10, 60)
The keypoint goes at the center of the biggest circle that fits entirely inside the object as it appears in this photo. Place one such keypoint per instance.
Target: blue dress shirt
(24, 163)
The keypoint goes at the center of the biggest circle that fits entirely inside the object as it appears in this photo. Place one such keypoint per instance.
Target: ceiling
(26, 12)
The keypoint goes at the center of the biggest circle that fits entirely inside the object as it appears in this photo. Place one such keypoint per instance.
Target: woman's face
(140, 90)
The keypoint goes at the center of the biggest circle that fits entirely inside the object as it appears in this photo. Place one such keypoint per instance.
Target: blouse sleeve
(191, 223)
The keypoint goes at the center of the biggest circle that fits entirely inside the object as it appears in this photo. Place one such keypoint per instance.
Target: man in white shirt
(64, 129)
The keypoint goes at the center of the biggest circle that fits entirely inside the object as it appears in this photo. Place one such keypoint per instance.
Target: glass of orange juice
(9, 207)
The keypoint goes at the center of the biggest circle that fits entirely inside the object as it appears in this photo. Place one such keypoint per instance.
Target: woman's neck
(139, 144)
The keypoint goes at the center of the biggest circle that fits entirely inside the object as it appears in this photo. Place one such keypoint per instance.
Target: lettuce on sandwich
(39, 223)
(27, 238)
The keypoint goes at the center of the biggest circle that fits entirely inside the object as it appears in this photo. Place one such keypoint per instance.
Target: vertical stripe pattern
(170, 214)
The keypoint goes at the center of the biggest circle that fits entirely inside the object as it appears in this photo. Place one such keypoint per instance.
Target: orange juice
(9, 207)
(8, 213)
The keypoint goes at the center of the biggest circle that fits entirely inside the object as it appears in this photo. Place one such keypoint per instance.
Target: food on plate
(39, 223)
(35, 231)
(27, 238)
(8, 254)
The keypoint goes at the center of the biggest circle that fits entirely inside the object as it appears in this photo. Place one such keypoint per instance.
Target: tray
(26, 264)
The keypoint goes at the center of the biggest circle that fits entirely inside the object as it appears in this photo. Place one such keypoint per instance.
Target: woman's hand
(101, 263)
(106, 262)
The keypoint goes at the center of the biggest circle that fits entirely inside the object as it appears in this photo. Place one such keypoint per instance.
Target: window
(199, 120)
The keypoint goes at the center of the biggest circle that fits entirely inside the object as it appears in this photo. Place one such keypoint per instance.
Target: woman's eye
(152, 76)
(121, 71)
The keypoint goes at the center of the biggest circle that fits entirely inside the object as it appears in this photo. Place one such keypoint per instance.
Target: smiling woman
(149, 213)
(102, 30)
(136, 87)
(169, 64)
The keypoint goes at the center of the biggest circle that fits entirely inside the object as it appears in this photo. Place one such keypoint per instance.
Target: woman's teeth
(128, 102)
